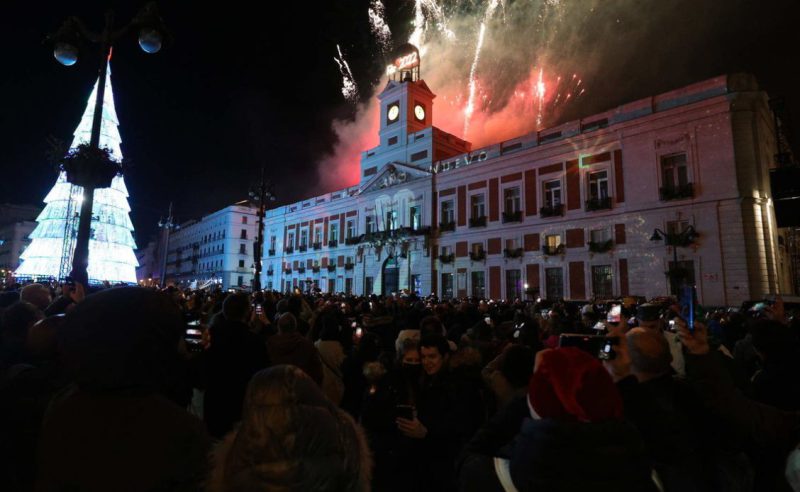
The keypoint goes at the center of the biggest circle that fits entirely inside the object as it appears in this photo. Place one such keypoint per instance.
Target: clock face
(419, 112)
(394, 112)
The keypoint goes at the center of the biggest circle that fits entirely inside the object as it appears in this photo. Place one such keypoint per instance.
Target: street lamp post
(167, 226)
(93, 173)
(260, 193)
(687, 236)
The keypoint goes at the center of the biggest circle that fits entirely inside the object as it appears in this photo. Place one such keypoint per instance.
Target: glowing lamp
(66, 54)
(150, 40)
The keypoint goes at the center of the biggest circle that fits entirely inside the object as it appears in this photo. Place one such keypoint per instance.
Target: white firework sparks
(349, 87)
(539, 94)
(417, 37)
(490, 9)
(378, 26)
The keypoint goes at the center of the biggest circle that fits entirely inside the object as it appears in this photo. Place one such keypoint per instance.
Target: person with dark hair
(777, 346)
(296, 306)
(120, 347)
(290, 347)
(234, 354)
(292, 438)
(508, 376)
(395, 454)
(355, 383)
(446, 416)
(25, 392)
(16, 321)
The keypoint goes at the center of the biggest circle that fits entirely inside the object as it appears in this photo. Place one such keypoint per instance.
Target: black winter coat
(235, 354)
(451, 410)
(553, 456)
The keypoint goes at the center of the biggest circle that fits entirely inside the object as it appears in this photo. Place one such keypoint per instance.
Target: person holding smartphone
(448, 413)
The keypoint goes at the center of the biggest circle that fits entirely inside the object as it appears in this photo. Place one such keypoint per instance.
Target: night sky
(241, 86)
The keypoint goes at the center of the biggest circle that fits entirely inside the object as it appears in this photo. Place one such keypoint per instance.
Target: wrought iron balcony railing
(556, 210)
(679, 192)
(477, 221)
(514, 216)
(594, 204)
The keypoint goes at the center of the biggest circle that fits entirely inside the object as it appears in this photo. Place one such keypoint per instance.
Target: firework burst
(349, 87)
(378, 26)
(498, 68)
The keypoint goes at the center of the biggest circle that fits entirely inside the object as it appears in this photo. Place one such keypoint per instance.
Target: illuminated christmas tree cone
(111, 244)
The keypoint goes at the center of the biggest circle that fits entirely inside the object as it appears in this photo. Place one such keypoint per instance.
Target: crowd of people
(128, 388)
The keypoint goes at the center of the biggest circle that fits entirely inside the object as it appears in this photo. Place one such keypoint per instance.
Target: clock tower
(406, 101)
(407, 135)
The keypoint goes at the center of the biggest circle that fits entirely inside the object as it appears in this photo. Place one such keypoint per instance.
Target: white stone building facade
(565, 212)
(216, 250)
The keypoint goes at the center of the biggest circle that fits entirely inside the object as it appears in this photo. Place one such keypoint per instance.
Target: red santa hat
(570, 384)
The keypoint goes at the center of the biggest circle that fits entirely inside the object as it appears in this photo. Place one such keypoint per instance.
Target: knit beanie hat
(569, 384)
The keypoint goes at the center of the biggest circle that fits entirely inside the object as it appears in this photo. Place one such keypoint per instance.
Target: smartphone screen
(614, 314)
(405, 412)
(487, 320)
(359, 332)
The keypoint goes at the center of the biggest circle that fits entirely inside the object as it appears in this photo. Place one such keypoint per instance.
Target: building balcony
(271, 252)
(333, 243)
(513, 253)
(479, 255)
(287, 271)
(477, 221)
(447, 226)
(315, 269)
(594, 204)
(270, 273)
(349, 266)
(446, 259)
(601, 246)
(515, 216)
(679, 192)
(331, 268)
(352, 240)
(316, 246)
(553, 250)
(301, 270)
(556, 210)
(289, 250)
(303, 248)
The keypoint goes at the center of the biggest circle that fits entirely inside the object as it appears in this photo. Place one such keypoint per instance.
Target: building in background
(566, 212)
(148, 273)
(16, 224)
(216, 250)
(111, 243)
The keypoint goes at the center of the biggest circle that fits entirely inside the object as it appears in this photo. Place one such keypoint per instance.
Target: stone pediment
(394, 174)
